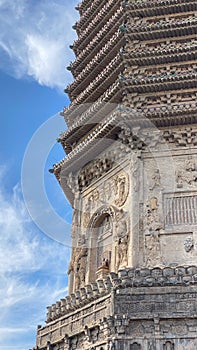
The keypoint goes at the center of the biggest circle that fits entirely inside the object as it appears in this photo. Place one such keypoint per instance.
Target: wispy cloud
(32, 272)
(34, 39)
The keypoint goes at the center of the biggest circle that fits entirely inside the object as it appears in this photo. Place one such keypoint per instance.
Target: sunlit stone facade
(130, 173)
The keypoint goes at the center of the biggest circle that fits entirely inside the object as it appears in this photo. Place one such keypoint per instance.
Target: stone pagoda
(130, 174)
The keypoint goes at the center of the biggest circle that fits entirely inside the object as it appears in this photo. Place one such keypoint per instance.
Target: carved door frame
(96, 218)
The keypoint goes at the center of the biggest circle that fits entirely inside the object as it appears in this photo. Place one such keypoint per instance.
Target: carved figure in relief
(87, 212)
(106, 226)
(121, 253)
(78, 263)
(153, 249)
(153, 219)
(90, 203)
(189, 175)
(153, 203)
(151, 345)
(111, 345)
(190, 165)
(107, 191)
(168, 346)
(105, 262)
(156, 180)
(121, 224)
(188, 244)
(121, 189)
(122, 240)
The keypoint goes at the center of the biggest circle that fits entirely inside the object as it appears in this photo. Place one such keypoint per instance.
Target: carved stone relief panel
(169, 214)
(175, 327)
(179, 328)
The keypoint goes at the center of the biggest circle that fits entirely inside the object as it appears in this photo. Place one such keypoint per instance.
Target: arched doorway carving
(100, 232)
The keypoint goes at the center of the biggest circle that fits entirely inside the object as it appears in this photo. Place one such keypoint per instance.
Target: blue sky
(34, 50)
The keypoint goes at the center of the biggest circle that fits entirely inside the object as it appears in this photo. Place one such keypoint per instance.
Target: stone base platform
(136, 309)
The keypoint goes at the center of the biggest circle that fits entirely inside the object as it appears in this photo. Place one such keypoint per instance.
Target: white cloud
(32, 272)
(34, 39)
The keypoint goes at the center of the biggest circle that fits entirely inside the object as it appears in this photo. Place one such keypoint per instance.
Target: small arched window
(135, 346)
(168, 345)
